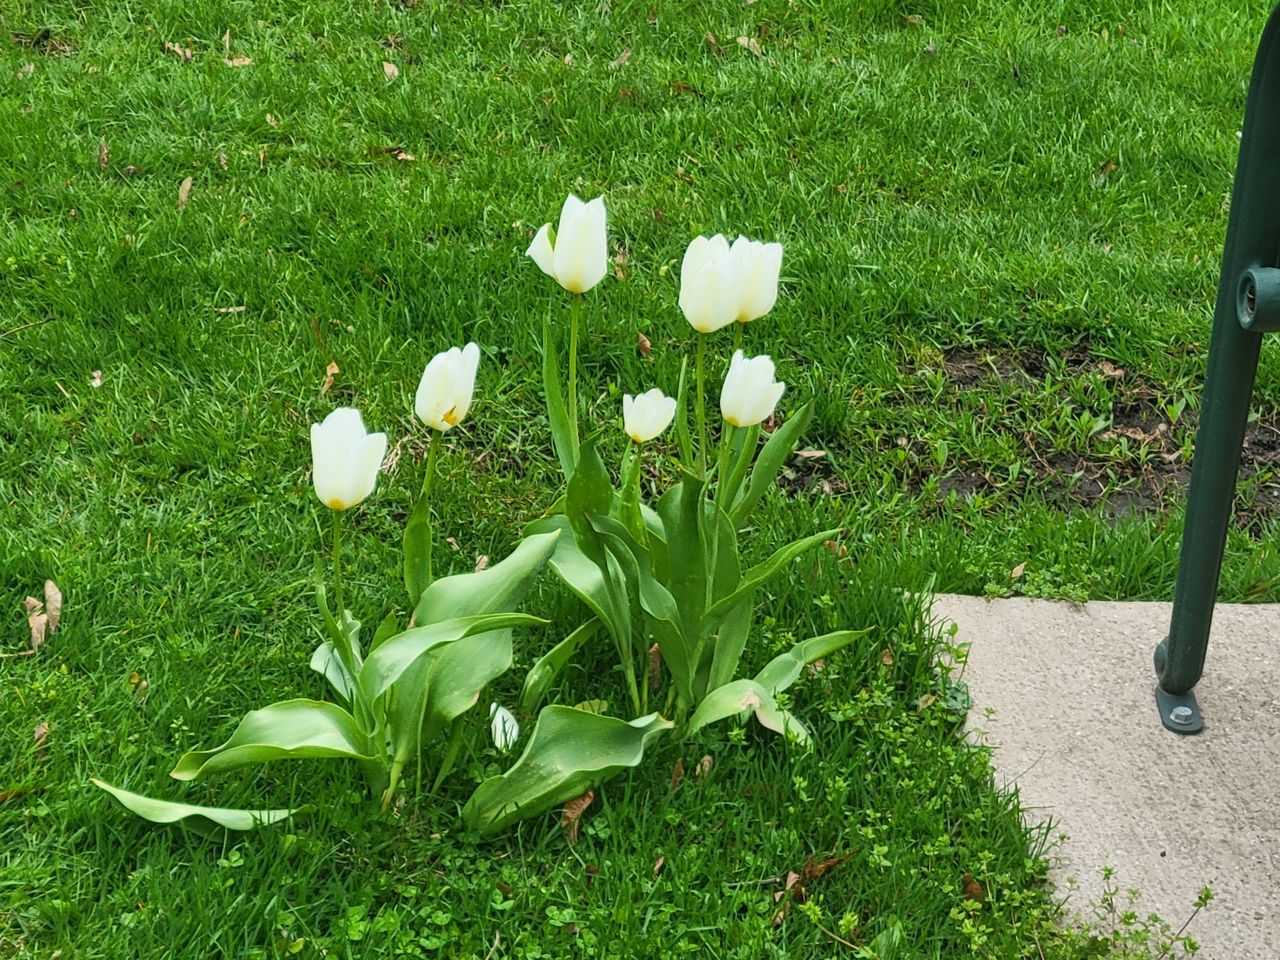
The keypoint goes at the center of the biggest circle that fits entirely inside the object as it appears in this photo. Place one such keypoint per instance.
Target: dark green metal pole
(1248, 305)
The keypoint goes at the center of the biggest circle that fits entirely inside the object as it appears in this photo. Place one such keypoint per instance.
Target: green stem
(450, 753)
(737, 336)
(428, 481)
(701, 400)
(575, 308)
(745, 456)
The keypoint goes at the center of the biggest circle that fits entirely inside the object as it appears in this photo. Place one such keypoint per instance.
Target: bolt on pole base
(1179, 712)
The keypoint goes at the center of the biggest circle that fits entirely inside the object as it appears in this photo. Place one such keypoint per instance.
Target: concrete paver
(1064, 694)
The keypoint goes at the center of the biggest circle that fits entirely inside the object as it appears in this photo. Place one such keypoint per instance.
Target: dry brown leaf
(184, 193)
(182, 53)
(240, 61)
(39, 624)
(272, 121)
(329, 371)
(834, 548)
(390, 70)
(222, 160)
(655, 668)
(713, 43)
(482, 562)
(41, 731)
(262, 157)
(621, 59)
(239, 308)
(812, 871)
(643, 344)
(677, 774)
(913, 20)
(453, 542)
(1110, 370)
(971, 888)
(132, 171)
(568, 59)
(703, 768)
(810, 454)
(1018, 571)
(53, 604)
(26, 70)
(104, 156)
(32, 605)
(886, 657)
(659, 864)
(752, 44)
(95, 379)
(571, 818)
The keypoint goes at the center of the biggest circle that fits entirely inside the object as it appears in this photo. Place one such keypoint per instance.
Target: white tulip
(708, 284)
(580, 257)
(505, 729)
(447, 385)
(756, 266)
(646, 416)
(345, 459)
(750, 392)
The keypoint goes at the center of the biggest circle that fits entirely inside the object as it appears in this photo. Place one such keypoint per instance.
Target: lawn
(1002, 223)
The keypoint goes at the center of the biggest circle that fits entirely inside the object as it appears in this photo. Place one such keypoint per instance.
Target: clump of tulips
(663, 579)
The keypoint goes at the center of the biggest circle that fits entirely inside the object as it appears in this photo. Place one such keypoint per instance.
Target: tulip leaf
(459, 674)
(327, 662)
(543, 673)
(761, 572)
(562, 436)
(784, 669)
(387, 629)
(687, 561)
(291, 729)
(386, 664)
(203, 819)
(498, 589)
(774, 456)
(739, 697)
(731, 640)
(569, 752)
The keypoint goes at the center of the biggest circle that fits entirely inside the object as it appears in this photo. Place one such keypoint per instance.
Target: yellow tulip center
(452, 418)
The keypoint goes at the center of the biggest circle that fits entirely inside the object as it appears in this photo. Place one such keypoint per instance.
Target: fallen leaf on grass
(41, 731)
(104, 156)
(482, 562)
(26, 70)
(184, 193)
(1110, 370)
(659, 865)
(886, 657)
(390, 70)
(808, 454)
(971, 888)
(621, 59)
(913, 20)
(677, 774)
(95, 379)
(655, 669)
(53, 604)
(571, 818)
(703, 769)
(222, 160)
(329, 371)
(182, 53)
(643, 344)
(400, 153)
(1017, 572)
(714, 43)
(834, 548)
(240, 308)
(752, 44)
(240, 61)
(39, 624)
(132, 171)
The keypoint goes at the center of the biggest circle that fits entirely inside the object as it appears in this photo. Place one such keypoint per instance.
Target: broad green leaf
(589, 490)
(568, 752)
(386, 664)
(418, 533)
(326, 662)
(459, 675)
(165, 811)
(562, 438)
(777, 450)
(498, 589)
(289, 730)
(784, 669)
(680, 509)
(543, 673)
(387, 629)
(761, 572)
(737, 698)
(731, 640)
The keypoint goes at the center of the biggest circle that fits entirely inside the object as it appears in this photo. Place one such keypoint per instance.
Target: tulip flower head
(646, 416)
(750, 393)
(505, 729)
(579, 257)
(345, 459)
(756, 267)
(708, 284)
(445, 390)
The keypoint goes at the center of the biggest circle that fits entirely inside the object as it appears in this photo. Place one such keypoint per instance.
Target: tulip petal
(760, 286)
(581, 258)
(541, 250)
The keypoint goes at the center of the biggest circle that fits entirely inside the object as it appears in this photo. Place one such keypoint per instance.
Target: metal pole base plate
(1179, 712)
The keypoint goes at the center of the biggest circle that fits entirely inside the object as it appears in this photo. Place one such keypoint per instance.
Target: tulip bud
(345, 459)
(756, 266)
(708, 284)
(505, 729)
(646, 416)
(445, 390)
(750, 392)
(579, 258)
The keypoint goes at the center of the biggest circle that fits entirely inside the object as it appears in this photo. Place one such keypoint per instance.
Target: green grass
(985, 220)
